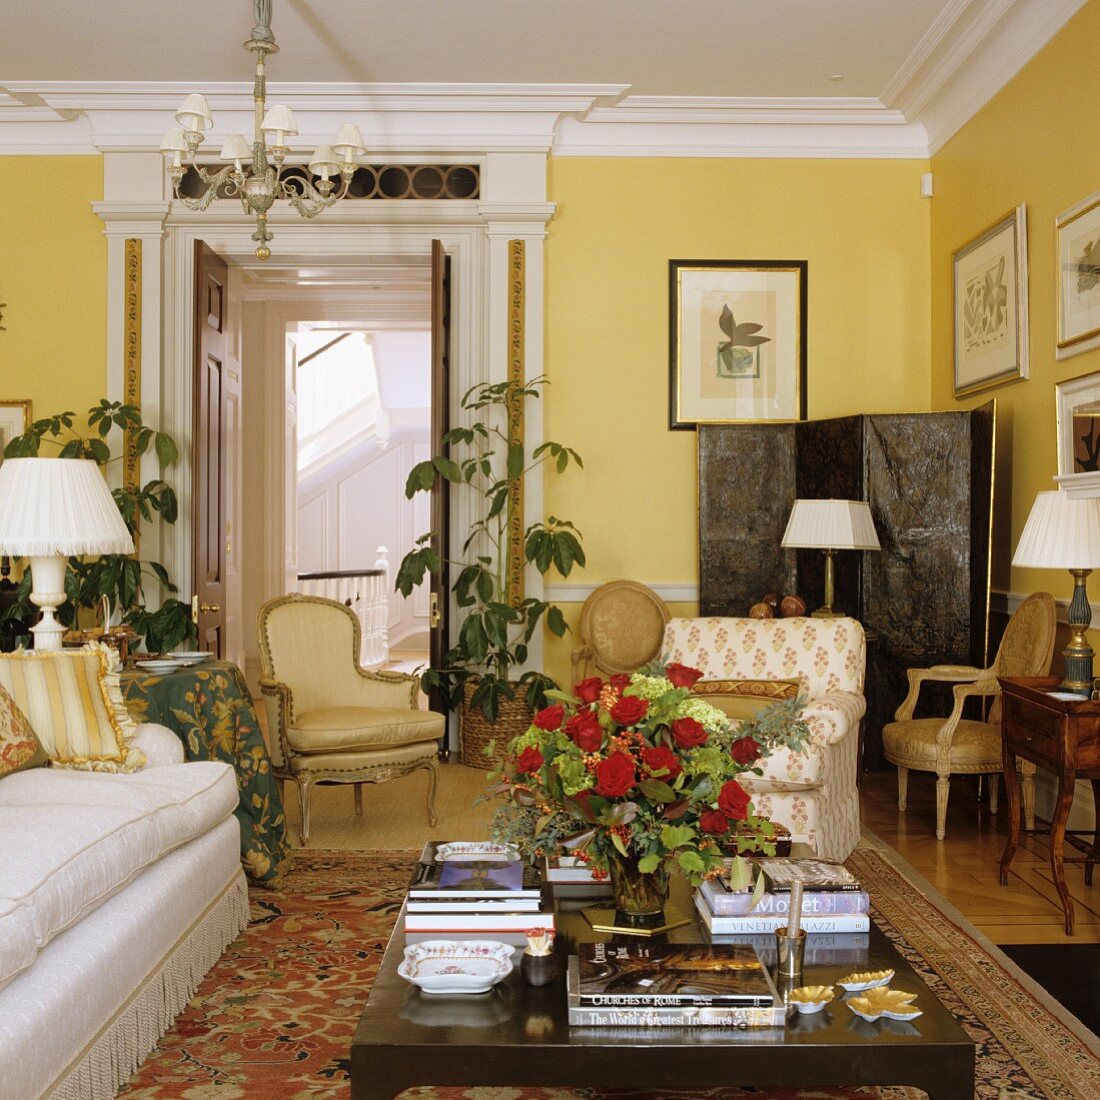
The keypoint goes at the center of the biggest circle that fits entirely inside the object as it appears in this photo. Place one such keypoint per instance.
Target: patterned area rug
(274, 1019)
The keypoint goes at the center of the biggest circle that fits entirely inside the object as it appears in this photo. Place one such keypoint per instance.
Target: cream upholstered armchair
(812, 792)
(621, 628)
(331, 721)
(952, 745)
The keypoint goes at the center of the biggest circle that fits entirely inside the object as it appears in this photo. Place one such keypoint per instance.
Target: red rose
(689, 733)
(588, 691)
(615, 775)
(745, 751)
(629, 710)
(681, 676)
(714, 822)
(549, 718)
(733, 800)
(660, 758)
(620, 681)
(530, 760)
(585, 731)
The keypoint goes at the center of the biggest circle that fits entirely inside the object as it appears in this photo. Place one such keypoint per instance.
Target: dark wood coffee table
(518, 1035)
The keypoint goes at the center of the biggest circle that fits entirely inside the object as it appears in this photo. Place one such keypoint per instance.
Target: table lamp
(830, 525)
(51, 509)
(1064, 533)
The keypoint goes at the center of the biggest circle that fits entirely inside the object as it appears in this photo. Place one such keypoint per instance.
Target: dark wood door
(208, 467)
(441, 324)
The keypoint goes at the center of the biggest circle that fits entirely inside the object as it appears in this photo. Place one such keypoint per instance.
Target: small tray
(456, 966)
(467, 851)
(893, 1004)
(811, 998)
(868, 979)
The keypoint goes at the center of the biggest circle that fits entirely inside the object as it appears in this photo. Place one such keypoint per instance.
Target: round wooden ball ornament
(772, 600)
(793, 606)
(761, 611)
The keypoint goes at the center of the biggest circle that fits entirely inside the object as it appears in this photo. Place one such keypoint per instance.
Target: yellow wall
(53, 277)
(1034, 143)
(861, 224)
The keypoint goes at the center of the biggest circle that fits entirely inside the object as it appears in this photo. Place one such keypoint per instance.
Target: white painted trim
(578, 593)
(1006, 603)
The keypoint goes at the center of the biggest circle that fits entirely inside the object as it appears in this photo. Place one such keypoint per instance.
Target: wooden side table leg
(1095, 853)
(1057, 842)
(1012, 794)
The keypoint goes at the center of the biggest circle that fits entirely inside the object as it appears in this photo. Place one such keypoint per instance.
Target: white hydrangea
(650, 688)
(708, 716)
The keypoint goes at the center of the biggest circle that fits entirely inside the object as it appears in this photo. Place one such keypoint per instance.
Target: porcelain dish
(460, 851)
(157, 666)
(894, 1004)
(811, 998)
(191, 657)
(456, 966)
(868, 979)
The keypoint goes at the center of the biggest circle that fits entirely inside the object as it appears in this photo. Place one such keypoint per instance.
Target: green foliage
(494, 636)
(119, 577)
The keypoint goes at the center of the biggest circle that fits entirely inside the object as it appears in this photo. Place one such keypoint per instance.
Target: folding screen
(928, 477)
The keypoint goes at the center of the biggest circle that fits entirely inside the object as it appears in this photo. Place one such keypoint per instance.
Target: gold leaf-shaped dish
(867, 979)
(811, 998)
(894, 1004)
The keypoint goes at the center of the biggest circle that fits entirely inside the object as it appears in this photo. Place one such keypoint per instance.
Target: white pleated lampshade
(194, 113)
(831, 525)
(279, 120)
(58, 506)
(1061, 533)
(236, 148)
(349, 142)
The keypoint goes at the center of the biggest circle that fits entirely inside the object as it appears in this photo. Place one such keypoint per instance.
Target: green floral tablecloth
(209, 706)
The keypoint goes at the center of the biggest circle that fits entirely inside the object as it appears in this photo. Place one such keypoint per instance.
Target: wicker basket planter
(475, 731)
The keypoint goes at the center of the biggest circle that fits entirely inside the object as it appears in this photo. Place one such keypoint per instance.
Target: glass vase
(640, 896)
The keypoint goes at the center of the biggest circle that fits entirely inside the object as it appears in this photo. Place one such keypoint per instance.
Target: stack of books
(644, 985)
(832, 901)
(494, 898)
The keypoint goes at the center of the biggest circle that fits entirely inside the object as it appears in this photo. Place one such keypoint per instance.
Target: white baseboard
(578, 593)
(1005, 603)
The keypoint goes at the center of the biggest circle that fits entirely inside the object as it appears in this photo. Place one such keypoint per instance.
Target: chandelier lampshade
(259, 174)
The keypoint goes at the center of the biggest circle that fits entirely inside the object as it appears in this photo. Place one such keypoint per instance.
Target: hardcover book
(814, 874)
(485, 922)
(472, 878)
(725, 902)
(663, 975)
(769, 922)
(740, 1016)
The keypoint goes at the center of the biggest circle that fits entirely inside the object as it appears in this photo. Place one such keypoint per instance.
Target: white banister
(365, 591)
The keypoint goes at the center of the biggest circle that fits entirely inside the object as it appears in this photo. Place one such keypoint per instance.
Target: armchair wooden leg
(358, 799)
(433, 782)
(305, 781)
(943, 789)
(994, 791)
(903, 787)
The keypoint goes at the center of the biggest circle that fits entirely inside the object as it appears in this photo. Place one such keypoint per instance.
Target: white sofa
(813, 793)
(117, 894)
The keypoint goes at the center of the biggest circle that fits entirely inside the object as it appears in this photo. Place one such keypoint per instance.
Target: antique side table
(1062, 736)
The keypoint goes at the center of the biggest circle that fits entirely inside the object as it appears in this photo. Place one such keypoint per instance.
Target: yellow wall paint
(53, 277)
(864, 229)
(1034, 143)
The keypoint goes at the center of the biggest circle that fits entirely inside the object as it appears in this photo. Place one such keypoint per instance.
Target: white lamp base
(48, 593)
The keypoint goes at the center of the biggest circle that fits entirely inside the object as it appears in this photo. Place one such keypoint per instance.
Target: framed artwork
(15, 419)
(1078, 410)
(1078, 236)
(737, 341)
(990, 279)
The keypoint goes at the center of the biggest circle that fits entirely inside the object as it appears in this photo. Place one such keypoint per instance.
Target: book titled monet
(663, 975)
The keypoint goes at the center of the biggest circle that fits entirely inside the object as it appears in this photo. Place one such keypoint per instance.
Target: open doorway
(363, 421)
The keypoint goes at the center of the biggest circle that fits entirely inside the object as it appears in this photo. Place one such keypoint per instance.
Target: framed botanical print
(1078, 236)
(990, 280)
(737, 341)
(15, 419)
(1078, 411)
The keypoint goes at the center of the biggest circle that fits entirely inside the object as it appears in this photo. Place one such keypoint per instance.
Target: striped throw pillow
(19, 748)
(74, 705)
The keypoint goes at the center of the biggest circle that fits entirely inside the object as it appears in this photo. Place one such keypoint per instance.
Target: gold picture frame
(1077, 234)
(737, 341)
(1077, 405)
(990, 295)
(15, 419)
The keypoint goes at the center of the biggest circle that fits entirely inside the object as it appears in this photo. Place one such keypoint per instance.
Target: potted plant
(638, 776)
(118, 577)
(481, 671)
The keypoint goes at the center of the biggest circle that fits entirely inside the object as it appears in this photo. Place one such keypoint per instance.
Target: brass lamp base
(826, 611)
(1078, 654)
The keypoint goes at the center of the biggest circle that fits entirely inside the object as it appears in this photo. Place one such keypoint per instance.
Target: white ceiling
(884, 77)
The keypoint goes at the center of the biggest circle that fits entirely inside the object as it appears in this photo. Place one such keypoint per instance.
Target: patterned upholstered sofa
(813, 793)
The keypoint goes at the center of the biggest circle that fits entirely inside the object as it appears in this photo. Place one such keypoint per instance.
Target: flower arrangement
(637, 774)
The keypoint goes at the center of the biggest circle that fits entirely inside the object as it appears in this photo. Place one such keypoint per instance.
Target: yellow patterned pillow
(74, 704)
(744, 699)
(19, 748)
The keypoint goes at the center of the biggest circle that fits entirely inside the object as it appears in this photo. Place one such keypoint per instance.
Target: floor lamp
(1063, 532)
(52, 509)
(830, 525)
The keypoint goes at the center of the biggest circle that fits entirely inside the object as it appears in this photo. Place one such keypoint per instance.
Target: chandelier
(258, 174)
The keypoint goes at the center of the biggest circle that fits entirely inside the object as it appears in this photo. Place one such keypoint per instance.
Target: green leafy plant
(495, 634)
(120, 577)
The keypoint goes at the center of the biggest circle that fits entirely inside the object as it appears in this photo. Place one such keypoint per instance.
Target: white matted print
(15, 419)
(737, 341)
(1078, 232)
(990, 279)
